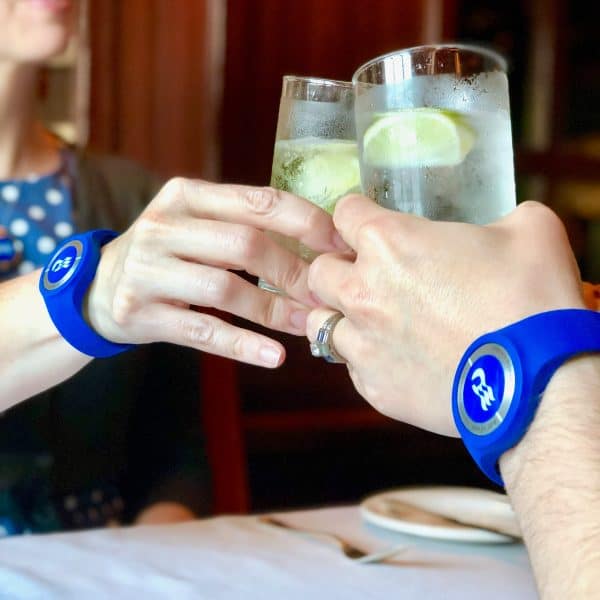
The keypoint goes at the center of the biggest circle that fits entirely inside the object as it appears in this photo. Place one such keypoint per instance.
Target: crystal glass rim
(496, 56)
(317, 80)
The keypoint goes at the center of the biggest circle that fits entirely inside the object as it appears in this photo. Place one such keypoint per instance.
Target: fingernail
(298, 319)
(338, 241)
(270, 355)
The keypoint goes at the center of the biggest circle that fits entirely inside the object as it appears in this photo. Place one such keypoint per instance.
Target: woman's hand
(418, 292)
(179, 254)
(163, 513)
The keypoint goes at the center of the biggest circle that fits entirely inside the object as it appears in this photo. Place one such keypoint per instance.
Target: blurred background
(192, 87)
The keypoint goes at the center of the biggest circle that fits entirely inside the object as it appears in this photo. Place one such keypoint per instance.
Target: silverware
(350, 550)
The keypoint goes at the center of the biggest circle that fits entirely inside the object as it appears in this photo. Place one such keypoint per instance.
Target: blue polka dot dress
(37, 214)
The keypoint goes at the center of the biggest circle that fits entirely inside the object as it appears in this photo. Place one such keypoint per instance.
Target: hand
(161, 513)
(418, 292)
(178, 254)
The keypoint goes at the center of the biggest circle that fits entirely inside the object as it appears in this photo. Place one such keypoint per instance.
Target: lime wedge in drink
(320, 170)
(417, 137)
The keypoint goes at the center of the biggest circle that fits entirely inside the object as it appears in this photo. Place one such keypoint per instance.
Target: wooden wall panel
(328, 38)
(152, 95)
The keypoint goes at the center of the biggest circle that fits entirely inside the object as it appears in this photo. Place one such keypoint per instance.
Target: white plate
(474, 505)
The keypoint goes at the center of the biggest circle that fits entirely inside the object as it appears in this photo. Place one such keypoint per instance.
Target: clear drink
(318, 169)
(433, 142)
(315, 154)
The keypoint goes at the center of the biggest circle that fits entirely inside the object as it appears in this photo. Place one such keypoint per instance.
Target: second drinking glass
(433, 124)
(315, 153)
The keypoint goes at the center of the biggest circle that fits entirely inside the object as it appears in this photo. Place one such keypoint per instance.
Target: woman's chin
(43, 48)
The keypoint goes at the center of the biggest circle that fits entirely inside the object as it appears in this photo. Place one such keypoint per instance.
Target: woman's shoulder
(117, 172)
(109, 191)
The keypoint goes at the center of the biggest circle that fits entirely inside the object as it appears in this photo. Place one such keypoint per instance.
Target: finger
(176, 281)
(341, 339)
(262, 207)
(353, 213)
(237, 247)
(210, 334)
(327, 276)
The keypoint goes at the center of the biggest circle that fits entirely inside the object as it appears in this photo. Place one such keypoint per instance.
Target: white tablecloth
(240, 558)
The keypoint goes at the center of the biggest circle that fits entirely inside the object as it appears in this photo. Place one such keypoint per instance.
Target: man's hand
(416, 293)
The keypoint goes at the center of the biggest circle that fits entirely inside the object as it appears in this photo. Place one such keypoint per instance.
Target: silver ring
(322, 347)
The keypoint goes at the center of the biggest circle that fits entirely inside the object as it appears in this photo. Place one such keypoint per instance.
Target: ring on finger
(323, 346)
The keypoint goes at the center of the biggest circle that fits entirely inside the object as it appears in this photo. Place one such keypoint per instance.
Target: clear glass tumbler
(434, 134)
(315, 153)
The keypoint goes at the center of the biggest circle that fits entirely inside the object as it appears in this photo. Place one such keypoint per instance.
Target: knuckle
(149, 225)
(201, 333)
(369, 233)
(551, 220)
(246, 244)
(124, 305)
(217, 288)
(238, 346)
(260, 200)
(355, 297)
(172, 190)
(533, 213)
(294, 274)
(315, 273)
(316, 219)
(136, 266)
(270, 315)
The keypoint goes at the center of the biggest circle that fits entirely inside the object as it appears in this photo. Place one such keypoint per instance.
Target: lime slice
(320, 170)
(418, 137)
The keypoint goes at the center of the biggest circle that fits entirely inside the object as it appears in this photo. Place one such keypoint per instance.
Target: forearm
(33, 355)
(553, 479)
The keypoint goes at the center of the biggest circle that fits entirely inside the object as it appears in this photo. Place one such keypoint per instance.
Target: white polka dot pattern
(63, 229)
(19, 227)
(46, 244)
(26, 267)
(37, 213)
(10, 193)
(54, 196)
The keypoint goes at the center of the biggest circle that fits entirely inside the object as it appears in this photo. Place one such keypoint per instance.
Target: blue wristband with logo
(501, 378)
(63, 284)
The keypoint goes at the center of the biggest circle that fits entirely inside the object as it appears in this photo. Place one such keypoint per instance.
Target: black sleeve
(167, 460)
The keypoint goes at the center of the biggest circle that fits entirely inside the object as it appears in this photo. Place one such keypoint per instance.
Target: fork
(349, 550)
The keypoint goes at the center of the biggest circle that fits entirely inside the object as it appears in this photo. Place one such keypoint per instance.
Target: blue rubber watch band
(64, 283)
(502, 376)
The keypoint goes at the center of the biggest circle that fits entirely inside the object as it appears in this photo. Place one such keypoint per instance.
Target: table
(240, 558)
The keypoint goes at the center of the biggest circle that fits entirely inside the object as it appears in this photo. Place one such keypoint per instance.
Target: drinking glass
(433, 127)
(315, 153)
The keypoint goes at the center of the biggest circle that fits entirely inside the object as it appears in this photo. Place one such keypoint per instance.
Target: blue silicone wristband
(502, 376)
(63, 284)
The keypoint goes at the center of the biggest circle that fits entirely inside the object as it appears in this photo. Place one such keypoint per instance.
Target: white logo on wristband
(482, 389)
(64, 263)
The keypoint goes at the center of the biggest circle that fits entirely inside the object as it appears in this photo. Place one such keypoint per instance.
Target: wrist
(98, 302)
(565, 427)
(553, 482)
(65, 283)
